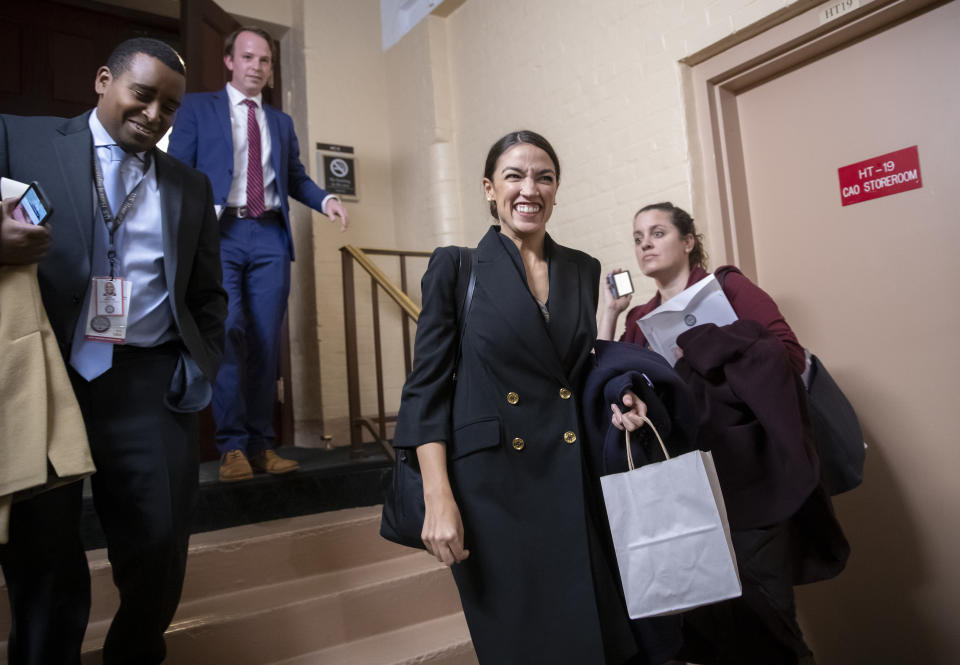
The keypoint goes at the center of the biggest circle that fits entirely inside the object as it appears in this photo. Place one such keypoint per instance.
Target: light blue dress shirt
(139, 245)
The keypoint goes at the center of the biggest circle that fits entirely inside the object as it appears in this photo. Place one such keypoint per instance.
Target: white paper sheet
(704, 302)
(10, 188)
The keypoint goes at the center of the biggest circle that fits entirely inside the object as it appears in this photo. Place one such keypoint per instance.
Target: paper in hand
(10, 188)
(704, 302)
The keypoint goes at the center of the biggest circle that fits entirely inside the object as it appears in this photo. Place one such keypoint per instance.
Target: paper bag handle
(655, 432)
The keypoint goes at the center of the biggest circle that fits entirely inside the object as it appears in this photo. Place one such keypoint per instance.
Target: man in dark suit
(128, 214)
(251, 155)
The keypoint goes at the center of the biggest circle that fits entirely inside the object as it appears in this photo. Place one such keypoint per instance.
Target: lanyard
(113, 223)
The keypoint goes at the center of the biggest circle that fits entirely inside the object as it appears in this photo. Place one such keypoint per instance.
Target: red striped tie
(254, 166)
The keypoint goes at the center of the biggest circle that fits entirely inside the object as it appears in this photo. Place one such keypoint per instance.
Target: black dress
(538, 586)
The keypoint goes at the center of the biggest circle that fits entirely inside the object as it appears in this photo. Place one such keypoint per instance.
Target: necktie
(254, 167)
(113, 179)
(91, 358)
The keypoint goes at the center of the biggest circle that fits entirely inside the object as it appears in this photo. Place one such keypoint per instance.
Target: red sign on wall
(888, 174)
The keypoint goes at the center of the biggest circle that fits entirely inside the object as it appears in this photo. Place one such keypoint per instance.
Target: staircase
(318, 589)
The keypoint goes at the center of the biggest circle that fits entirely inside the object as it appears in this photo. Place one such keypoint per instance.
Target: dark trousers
(47, 578)
(144, 491)
(256, 277)
(759, 628)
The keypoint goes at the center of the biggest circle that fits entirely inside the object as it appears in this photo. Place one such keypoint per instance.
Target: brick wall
(600, 79)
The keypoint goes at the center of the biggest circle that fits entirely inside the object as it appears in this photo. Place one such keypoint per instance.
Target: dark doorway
(50, 51)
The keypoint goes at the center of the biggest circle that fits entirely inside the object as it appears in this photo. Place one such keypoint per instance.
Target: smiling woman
(511, 504)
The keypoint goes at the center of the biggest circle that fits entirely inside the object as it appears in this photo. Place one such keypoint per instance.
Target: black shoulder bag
(403, 509)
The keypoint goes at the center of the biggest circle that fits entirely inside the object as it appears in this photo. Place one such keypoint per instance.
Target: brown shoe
(234, 466)
(270, 462)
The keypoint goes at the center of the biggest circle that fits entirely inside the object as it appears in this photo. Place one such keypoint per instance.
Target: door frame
(716, 75)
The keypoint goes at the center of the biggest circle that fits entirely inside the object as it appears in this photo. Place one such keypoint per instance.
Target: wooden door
(872, 289)
(50, 52)
(204, 27)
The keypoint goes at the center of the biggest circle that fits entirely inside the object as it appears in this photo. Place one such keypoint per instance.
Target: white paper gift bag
(671, 535)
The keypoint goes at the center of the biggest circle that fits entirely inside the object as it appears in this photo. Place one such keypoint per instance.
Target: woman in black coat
(510, 504)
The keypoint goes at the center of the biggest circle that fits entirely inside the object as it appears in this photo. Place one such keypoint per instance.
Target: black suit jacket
(58, 154)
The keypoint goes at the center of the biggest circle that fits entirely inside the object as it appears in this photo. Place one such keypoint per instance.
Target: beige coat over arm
(40, 419)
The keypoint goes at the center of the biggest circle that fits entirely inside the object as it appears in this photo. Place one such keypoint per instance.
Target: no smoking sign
(338, 169)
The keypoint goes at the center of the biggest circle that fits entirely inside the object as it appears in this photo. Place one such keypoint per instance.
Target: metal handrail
(360, 255)
(411, 312)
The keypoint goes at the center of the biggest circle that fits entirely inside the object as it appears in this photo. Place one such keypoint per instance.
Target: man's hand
(335, 209)
(21, 242)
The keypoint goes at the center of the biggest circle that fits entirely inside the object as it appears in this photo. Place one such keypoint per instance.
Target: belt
(240, 212)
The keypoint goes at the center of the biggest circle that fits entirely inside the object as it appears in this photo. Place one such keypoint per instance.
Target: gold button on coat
(569, 436)
(564, 393)
(513, 398)
(518, 443)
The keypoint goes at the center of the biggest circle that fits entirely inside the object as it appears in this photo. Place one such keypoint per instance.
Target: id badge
(109, 296)
(104, 328)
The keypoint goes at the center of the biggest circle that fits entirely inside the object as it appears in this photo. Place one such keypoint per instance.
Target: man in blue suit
(251, 155)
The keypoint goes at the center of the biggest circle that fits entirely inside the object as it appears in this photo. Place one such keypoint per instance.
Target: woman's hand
(442, 533)
(443, 529)
(610, 302)
(631, 418)
(612, 308)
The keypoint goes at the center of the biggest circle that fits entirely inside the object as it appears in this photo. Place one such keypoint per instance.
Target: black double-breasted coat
(537, 587)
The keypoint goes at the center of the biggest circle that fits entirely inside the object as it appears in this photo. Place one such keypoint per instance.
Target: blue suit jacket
(202, 137)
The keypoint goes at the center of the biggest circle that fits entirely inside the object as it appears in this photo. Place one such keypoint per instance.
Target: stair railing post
(378, 358)
(405, 325)
(350, 334)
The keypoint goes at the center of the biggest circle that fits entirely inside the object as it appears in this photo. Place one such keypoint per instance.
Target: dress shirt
(238, 126)
(139, 245)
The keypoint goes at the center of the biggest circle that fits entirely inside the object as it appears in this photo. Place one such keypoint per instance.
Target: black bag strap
(466, 282)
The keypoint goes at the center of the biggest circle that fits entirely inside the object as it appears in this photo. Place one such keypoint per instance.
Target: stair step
(285, 549)
(285, 619)
(262, 554)
(441, 641)
(327, 480)
(325, 585)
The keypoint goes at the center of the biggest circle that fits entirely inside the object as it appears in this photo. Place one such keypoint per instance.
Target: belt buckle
(242, 212)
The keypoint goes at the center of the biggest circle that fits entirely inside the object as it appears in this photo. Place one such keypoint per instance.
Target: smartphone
(33, 206)
(620, 284)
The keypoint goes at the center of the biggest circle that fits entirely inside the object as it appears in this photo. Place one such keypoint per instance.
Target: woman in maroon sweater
(769, 477)
(670, 251)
